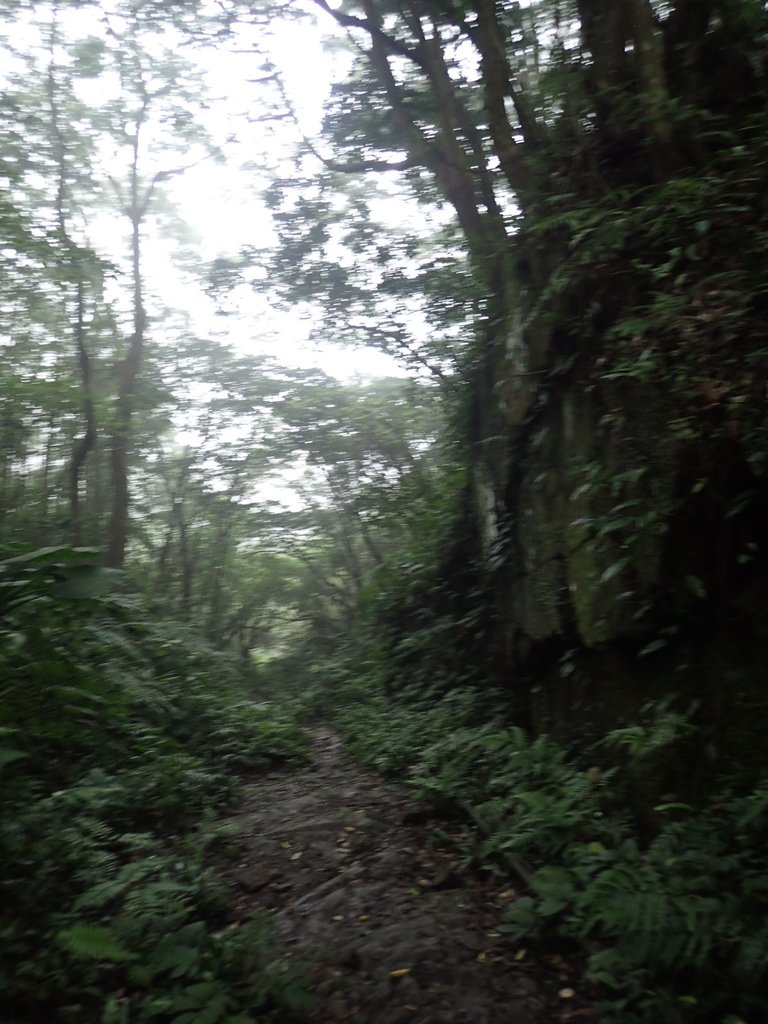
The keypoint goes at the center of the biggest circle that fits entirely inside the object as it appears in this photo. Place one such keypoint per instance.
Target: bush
(120, 737)
(674, 929)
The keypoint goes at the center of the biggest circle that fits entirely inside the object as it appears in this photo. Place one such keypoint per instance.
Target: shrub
(120, 737)
(674, 929)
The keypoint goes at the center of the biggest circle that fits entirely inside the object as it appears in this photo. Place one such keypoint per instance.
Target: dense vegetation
(669, 911)
(528, 577)
(122, 740)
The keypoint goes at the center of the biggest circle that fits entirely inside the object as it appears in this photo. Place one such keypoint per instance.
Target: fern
(120, 733)
(94, 942)
(637, 906)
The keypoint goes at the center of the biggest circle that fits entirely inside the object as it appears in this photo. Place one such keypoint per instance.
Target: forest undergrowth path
(367, 893)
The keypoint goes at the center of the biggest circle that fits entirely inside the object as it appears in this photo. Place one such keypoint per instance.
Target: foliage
(430, 626)
(684, 312)
(119, 736)
(393, 737)
(607, 242)
(674, 930)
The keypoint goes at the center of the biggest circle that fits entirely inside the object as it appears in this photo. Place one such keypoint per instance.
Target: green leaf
(651, 648)
(52, 555)
(89, 57)
(297, 998)
(94, 942)
(178, 960)
(85, 581)
(214, 1011)
(614, 570)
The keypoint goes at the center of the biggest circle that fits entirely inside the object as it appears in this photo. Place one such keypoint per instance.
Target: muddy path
(368, 893)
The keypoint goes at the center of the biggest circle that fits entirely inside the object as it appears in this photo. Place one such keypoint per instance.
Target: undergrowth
(675, 928)
(120, 738)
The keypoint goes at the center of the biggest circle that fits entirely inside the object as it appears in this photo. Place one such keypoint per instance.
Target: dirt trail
(370, 896)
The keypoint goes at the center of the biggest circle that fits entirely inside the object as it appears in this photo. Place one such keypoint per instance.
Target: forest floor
(368, 896)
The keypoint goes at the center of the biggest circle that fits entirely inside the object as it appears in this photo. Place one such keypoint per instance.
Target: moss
(589, 521)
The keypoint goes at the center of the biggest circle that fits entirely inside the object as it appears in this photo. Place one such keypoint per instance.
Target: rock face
(608, 494)
(589, 508)
(621, 513)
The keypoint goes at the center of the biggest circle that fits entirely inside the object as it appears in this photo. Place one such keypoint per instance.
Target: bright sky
(221, 206)
(218, 204)
(221, 202)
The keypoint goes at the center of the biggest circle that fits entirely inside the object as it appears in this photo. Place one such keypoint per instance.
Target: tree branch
(371, 26)
(359, 166)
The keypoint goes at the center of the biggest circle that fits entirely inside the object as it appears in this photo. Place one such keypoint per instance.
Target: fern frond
(94, 942)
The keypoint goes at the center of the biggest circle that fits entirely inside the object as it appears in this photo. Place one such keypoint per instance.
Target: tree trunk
(87, 442)
(128, 372)
(652, 79)
(184, 557)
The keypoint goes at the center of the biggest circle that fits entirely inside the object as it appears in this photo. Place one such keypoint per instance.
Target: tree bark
(87, 442)
(652, 79)
(605, 30)
(128, 369)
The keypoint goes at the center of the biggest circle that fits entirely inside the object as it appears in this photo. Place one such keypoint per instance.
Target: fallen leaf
(521, 954)
(286, 846)
(297, 855)
(566, 993)
(350, 828)
(400, 972)
(364, 917)
(337, 917)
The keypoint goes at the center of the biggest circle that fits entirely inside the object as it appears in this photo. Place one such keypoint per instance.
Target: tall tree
(592, 153)
(52, 277)
(79, 266)
(87, 93)
(151, 118)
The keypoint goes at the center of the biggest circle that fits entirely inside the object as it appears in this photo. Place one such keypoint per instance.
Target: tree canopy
(542, 528)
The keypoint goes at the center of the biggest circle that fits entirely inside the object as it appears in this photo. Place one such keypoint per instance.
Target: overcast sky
(222, 205)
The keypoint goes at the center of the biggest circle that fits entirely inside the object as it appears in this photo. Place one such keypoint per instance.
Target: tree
(52, 278)
(79, 338)
(157, 90)
(79, 266)
(599, 159)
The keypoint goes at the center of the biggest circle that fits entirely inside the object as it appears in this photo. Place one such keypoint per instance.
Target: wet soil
(368, 893)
